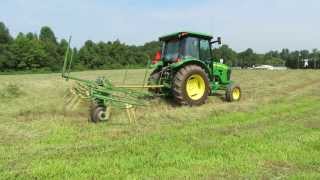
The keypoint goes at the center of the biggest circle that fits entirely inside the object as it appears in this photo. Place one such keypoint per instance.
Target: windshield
(171, 50)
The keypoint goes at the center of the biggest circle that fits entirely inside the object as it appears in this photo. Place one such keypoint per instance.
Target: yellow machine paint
(195, 87)
(236, 93)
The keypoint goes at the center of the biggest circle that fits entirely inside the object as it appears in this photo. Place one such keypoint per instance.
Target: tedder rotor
(184, 70)
(103, 95)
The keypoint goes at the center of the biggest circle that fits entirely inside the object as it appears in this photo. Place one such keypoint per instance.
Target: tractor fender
(158, 65)
(181, 64)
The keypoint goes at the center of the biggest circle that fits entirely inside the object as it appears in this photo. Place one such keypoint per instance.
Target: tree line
(43, 52)
(285, 57)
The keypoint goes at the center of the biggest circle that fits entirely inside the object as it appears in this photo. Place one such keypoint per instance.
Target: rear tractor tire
(233, 93)
(191, 86)
(99, 113)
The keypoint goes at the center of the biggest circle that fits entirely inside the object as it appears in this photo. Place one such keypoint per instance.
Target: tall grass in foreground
(274, 132)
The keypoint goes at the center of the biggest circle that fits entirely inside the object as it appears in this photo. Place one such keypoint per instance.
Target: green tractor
(186, 70)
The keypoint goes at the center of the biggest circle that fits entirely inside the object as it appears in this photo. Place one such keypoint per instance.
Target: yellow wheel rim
(236, 93)
(195, 87)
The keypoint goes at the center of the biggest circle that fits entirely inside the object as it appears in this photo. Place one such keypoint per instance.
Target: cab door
(205, 54)
(205, 51)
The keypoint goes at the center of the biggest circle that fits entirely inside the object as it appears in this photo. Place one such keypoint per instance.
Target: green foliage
(274, 61)
(5, 54)
(249, 58)
(113, 55)
(5, 58)
(47, 35)
(151, 48)
(226, 53)
(5, 37)
(28, 54)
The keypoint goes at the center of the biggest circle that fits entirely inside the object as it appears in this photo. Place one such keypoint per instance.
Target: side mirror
(219, 40)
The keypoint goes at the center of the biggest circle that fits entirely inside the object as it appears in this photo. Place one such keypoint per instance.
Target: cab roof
(185, 33)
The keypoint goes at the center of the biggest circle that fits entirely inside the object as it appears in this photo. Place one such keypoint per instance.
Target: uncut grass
(41, 138)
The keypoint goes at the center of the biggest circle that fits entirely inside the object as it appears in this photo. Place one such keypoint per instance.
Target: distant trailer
(269, 67)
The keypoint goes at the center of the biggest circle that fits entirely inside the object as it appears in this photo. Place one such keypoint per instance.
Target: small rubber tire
(179, 86)
(233, 92)
(98, 114)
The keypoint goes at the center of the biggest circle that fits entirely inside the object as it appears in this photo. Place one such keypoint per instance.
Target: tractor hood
(220, 65)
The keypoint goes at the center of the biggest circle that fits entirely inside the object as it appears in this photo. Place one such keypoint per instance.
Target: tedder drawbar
(184, 70)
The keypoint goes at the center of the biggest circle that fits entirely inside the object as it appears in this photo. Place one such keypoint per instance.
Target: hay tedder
(184, 70)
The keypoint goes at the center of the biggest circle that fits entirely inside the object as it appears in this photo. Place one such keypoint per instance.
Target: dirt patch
(11, 90)
(302, 85)
(312, 124)
(236, 130)
(279, 169)
(28, 115)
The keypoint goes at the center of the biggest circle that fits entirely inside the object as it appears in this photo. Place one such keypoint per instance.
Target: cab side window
(191, 47)
(205, 53)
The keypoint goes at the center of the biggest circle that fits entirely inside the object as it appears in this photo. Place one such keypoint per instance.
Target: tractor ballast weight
(188, 72)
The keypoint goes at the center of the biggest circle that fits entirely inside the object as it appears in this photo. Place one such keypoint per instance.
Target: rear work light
(157, 57)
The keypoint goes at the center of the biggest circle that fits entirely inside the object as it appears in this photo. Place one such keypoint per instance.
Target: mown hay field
(274, 132)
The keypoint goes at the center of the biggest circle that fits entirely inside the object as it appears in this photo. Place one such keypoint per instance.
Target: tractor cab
(186, 46)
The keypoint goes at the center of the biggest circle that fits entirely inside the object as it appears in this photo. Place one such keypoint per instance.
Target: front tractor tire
(191, 86)
(233, 93)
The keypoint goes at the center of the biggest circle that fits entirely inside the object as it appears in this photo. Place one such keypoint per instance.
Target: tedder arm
(101, 91)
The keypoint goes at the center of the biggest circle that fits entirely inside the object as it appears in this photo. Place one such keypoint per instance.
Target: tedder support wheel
(98, 113)
(233, 93)
(191, 86)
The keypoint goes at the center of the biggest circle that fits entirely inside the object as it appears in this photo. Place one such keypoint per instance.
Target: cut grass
(274, 132)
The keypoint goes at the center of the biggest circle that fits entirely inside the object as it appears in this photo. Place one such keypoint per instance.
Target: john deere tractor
(188, 72)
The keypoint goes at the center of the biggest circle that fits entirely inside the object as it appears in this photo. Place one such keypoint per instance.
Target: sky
(259, 24)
